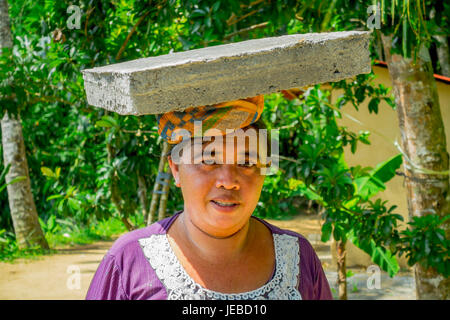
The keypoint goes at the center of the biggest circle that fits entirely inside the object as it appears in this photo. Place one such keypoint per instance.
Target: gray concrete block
(227, 72)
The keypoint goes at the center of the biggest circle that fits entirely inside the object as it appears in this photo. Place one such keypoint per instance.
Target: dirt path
(68, 273)
(52, 277)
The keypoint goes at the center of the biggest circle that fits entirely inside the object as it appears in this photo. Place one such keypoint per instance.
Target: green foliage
(61, 232)
(68, 231)
(9, 251)
(425, 242)
(379, 255)
(5, 218)
(361, 88)
(369, 185)
(408, 21)
(313, 166)
(2, 177)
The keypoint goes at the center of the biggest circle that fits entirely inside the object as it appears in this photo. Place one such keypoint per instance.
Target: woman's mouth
(224, 205)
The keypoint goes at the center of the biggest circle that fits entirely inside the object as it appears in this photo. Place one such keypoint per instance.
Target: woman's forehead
(237, 142)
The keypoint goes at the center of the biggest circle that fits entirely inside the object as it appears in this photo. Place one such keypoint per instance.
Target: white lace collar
(180, 286)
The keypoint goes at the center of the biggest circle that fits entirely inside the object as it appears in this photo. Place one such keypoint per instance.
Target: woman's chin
(223, 233)
(224, 224)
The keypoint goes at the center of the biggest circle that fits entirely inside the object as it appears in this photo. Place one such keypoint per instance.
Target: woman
(214, 248)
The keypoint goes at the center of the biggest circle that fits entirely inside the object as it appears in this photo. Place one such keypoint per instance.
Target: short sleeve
(322, 289)
(107, 282)
(313, 282)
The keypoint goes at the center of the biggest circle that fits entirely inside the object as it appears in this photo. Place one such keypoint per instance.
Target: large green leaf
(368, 186)
(5, 171)
(16, 179)
(379, 255)
(47, 172)
(327, 228)
(298, 187)
(385, 171)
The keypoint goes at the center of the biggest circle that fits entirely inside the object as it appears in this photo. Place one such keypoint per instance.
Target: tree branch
(256, 26)
(122, 48)
(232, 20)
(88, 13)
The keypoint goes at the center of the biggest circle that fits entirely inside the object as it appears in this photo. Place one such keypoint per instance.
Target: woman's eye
(247, 164)
(208, 162)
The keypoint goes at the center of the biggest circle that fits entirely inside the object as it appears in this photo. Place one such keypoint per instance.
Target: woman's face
(219, 198)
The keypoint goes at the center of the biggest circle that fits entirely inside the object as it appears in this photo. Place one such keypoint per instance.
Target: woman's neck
(215, 250)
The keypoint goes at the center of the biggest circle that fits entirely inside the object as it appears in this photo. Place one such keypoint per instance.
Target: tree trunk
(156, 187)
(442, 50)
(21, 203)
(115, 192)
(142, 194)
(164, 197)
(426, 161)
(5, 29)
(443, 55)
(341, 270)
(378, 44)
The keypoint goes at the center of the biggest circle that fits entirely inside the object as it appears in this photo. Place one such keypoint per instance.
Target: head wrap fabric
(227, 115)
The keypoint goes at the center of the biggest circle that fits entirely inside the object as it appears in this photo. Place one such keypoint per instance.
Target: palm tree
(425, 150)
(23, 209)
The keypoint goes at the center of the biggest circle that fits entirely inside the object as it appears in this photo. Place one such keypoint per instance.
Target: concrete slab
(227, 72)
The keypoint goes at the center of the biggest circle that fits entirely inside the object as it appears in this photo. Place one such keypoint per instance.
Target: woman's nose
(227, 177)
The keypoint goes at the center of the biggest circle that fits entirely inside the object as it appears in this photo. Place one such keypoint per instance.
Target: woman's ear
(175, 171)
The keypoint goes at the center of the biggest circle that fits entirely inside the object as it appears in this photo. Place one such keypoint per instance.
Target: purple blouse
(141, 266)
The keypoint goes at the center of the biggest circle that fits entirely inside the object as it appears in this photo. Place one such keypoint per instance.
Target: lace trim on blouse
(180, 286)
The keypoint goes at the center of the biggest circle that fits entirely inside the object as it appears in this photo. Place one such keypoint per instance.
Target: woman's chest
(251, 272)
(185, 282)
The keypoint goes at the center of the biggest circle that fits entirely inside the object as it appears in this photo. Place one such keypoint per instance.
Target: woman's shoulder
(304, 244)
(277, 230)
(129, 241)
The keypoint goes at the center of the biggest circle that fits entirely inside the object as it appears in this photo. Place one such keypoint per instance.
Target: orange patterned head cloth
(227, 115)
